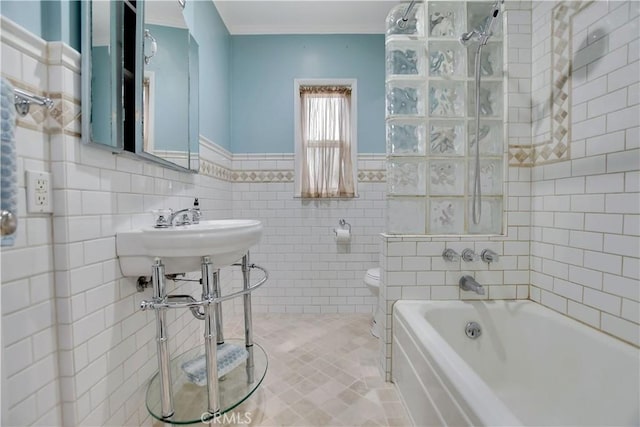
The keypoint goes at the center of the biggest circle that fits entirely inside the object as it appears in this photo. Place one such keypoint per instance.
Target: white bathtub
(530, 366)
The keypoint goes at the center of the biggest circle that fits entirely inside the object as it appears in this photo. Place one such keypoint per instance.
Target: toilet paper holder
(343, 224)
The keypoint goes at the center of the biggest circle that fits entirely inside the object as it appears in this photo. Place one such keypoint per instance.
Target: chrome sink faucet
(182, 217)
(468, 283)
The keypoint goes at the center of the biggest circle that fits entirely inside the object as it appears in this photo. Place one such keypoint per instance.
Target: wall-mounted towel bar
(23, 100)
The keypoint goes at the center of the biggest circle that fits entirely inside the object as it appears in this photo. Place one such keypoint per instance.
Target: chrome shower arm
(482, 34)
(402, 22)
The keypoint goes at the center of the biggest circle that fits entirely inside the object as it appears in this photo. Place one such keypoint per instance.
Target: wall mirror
(140, 80)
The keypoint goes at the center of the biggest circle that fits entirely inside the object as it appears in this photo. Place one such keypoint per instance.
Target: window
(325, 139)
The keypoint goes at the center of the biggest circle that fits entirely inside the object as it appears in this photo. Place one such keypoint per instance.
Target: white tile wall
(309, 271)
(29, 369)
(583, 276)
(76, 349)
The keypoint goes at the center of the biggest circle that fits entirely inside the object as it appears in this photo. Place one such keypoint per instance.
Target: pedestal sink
(182, 247)
(204, 247)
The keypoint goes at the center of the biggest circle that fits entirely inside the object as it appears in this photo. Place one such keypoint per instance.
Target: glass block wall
(430, 120)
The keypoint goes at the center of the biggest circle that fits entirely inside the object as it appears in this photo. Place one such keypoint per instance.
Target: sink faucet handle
(183, 219)
(162, 217)
(469, 255)
(489, 256)
(450, 255)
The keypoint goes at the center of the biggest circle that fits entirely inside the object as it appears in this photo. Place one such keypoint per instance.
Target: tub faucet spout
(468, 283)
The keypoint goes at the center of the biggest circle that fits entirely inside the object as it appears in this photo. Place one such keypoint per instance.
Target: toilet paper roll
(343, 236)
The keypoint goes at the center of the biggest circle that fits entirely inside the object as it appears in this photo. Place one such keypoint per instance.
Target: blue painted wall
(53, 20)
(263, 69)
(171, 85)
(101, 96)
(246, 82)
(215, 52)
(25, 13)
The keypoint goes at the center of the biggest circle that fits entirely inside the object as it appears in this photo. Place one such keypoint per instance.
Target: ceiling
(305, 16)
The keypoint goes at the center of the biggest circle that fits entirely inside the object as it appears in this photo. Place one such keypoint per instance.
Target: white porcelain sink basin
(182, 248)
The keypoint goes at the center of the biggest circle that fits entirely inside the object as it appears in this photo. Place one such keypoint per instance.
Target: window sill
(357, 196)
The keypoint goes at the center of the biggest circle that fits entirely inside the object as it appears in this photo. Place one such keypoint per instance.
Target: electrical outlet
(39, 192)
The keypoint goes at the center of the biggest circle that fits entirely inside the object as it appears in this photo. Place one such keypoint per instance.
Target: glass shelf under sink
(190, 400)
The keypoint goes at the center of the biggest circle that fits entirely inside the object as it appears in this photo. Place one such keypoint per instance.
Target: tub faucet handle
(469, 255)
(450, 255)
(489, 256)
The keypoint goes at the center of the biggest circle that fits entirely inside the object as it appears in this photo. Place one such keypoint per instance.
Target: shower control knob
(469, 255)
(489, 256)
(450, 255)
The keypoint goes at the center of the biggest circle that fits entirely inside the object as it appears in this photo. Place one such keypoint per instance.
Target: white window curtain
(327, 169)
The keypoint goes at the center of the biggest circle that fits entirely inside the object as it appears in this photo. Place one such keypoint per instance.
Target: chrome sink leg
(248, 329)
(217, 294)
(210, 345)
(162, 339)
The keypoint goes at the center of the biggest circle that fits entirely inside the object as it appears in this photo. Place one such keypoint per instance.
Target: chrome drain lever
(473, 330)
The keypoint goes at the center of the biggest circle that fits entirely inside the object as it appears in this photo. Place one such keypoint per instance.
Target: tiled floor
(322, 372)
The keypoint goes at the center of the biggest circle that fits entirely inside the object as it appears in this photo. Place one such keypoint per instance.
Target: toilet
(372, 280)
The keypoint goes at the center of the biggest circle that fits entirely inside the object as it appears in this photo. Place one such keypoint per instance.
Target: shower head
(484, 31)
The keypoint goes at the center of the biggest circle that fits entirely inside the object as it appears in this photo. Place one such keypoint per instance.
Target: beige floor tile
(387, 395)
(334, 406)
(323, 371)
(287, 417)
(317, 417)
(290, 396)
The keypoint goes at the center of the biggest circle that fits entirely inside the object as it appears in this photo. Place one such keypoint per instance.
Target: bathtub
(529, 366)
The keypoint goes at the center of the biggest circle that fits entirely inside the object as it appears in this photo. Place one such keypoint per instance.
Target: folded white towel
(228, 357)
(8, 159)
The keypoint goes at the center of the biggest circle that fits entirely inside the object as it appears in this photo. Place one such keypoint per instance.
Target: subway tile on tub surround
(566, 244)
(412, 267)
(582, 245)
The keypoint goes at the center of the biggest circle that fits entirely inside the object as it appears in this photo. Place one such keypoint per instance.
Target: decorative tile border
(262, 176)
(520, 155)
(372, 175)
(215, 170)
(64, 117)
(271, 168)
(558, 148)
(561, 54)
